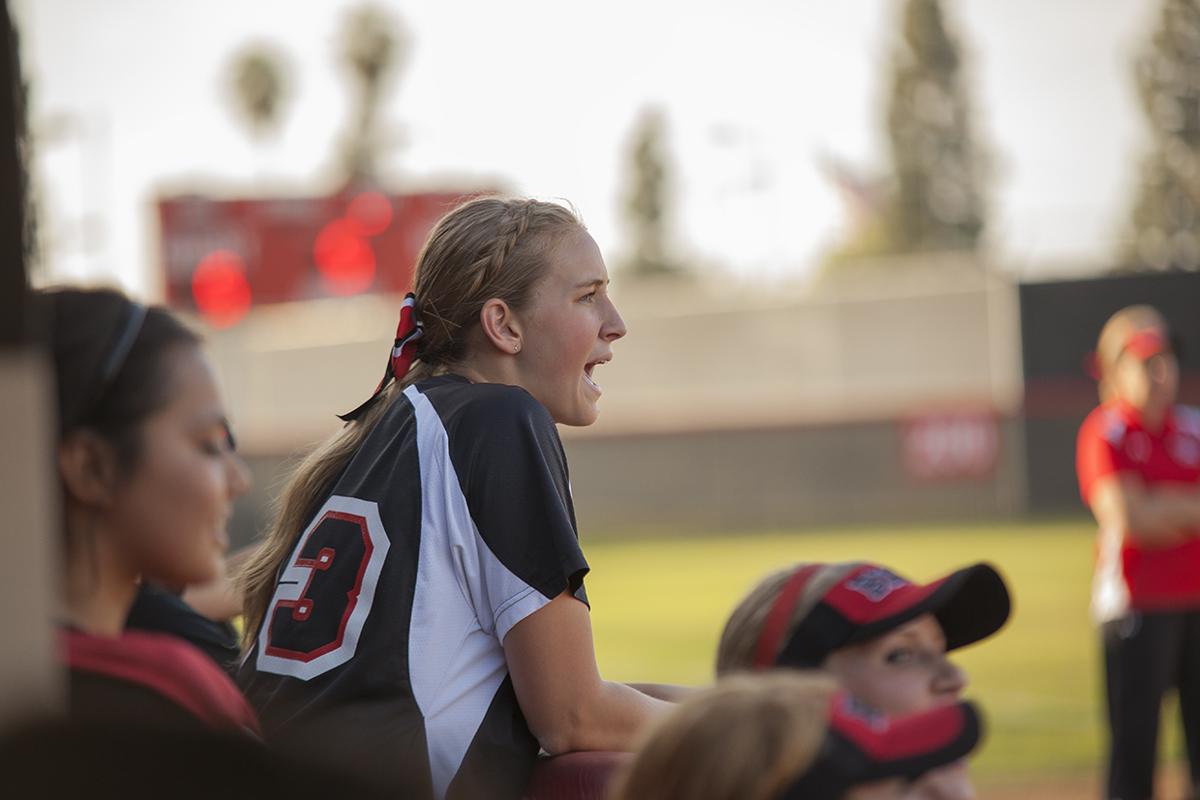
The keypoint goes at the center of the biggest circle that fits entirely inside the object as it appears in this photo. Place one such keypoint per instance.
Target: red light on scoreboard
(220, 288)
(371, 212)
(344, 259)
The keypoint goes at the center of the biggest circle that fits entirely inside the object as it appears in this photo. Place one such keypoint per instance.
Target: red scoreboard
(220, 257)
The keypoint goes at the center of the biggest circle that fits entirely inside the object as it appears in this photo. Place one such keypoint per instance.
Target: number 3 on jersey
(325, 593)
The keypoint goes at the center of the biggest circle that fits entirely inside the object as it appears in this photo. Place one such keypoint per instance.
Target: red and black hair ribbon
(404, 352)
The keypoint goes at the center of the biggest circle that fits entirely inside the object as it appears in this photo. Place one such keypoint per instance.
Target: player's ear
(89, 469)
(500, 326)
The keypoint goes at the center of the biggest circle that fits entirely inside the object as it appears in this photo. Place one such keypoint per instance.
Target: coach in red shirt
(1138, 461)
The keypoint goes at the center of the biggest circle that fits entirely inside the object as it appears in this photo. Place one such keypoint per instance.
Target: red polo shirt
(1113, 440)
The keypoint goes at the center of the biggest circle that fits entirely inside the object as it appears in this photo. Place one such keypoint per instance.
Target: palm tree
(258, 88)
(374, 44)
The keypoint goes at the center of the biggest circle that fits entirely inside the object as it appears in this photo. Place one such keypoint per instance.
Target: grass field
(658, 607)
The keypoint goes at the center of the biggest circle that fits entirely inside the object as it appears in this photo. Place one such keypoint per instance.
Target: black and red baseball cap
(862, 746)
(837, 605)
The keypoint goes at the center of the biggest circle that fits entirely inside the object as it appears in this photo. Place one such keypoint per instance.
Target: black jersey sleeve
(514, 476)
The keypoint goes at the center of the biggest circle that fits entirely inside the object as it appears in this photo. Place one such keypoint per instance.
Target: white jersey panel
(465, 601)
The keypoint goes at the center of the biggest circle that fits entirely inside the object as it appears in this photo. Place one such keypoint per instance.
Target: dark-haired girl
(148, 478)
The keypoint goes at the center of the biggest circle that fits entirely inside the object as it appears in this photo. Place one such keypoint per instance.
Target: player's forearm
(1164, 515)
(610, 718)
(664, 691)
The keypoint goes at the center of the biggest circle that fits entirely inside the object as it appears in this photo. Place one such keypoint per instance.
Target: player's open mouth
(587, 373)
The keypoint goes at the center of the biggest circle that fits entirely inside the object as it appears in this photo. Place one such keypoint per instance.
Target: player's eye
(901, 656)
(218, 441)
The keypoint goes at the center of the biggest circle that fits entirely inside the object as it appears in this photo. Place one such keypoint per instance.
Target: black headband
(118, 354)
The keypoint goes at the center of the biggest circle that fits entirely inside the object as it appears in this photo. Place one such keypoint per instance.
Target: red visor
(863, 745)
(1146, 343)
(885, 738)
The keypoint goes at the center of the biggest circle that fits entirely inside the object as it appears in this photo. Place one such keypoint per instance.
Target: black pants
(1145, 654)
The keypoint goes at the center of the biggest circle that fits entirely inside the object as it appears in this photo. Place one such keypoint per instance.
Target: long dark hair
(111, 362)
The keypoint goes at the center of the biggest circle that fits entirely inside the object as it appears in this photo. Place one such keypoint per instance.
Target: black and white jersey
(381, 648)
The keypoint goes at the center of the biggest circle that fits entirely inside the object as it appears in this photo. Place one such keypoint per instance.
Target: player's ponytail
(490, 247)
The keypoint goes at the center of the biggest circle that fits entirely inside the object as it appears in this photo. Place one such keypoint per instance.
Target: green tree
(937, 199)
(932, 196)
(1167, 210)
(645, 206)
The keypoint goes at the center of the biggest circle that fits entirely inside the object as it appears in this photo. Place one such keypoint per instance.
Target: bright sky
(539, 96)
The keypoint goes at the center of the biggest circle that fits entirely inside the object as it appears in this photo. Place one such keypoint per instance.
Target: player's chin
(188, 568)
(581, 414)
(207, 566)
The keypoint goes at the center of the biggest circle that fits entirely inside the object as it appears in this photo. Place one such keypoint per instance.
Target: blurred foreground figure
(148, 477)
(883, 638)
(115, 760)
(1138, 461)
(793, 736)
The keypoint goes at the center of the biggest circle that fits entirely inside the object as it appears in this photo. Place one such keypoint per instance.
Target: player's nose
(949, 680)
(614, 325)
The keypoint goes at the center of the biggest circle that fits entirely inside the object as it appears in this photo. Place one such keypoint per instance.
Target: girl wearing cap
(418, 609)
(1138, 462)
(794, 736)
(148, 477)
(882, 637)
